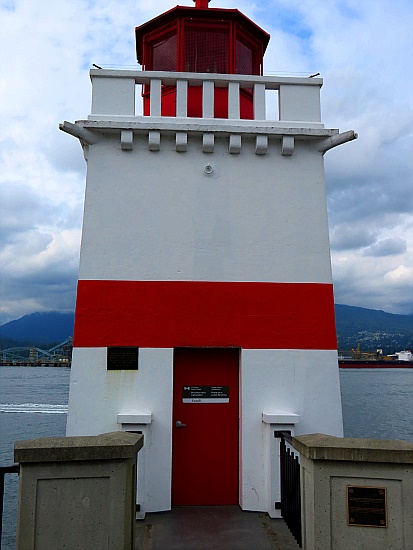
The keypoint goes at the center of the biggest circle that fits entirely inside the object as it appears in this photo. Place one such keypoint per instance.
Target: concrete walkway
(212, 528)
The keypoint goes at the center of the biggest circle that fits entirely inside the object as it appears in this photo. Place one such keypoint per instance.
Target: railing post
(290, 486)
(14, 469)
(377, 473)
(299, 103)
(113, 96)
(1, 503)
(77, 492)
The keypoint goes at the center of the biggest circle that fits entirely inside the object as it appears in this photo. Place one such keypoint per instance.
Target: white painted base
(302, 382)
(278, 388)
(97, 396)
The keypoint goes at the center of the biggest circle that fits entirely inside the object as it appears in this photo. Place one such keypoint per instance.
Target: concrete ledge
(135, 418)
(327, 447)
(115, 445)
(280, 417)
(142, 124)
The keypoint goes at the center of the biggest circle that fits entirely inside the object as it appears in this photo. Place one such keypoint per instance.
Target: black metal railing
(13, 469)
(290, 504)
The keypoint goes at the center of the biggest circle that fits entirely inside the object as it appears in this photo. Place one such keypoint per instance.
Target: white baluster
(155, 104)
(233, 100)
(208, 99)
(259, 102)
(182, 98)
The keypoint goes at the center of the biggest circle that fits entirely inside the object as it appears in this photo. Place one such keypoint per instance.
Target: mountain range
(371, 328)
(51, 327)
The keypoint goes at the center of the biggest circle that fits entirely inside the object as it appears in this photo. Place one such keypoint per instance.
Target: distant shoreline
(24, 364)
(360, 364)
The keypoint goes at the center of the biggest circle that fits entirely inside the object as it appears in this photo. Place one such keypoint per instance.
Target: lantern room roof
(217, 14)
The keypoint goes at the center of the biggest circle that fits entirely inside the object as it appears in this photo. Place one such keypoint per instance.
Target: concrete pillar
(77, 492)
(299, 103)
(355, 493)
(113, 96)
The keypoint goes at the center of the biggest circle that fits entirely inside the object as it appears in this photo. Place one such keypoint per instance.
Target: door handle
(179, 424)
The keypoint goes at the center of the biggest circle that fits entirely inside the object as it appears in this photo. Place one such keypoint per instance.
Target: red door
(205, 426)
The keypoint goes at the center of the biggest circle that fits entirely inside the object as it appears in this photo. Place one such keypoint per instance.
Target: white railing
(114, 93)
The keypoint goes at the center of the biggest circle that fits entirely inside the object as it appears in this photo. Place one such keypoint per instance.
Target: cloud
(380, 275)
(350, 237)
(387, 247)
(363, 50)
(400, 275)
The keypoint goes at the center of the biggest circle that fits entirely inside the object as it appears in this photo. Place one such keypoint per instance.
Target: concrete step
(212, 528)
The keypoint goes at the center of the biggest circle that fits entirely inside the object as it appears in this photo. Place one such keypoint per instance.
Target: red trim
(167, 314)
(201, 3)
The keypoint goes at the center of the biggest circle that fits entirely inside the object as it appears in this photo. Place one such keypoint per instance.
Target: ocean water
(377, 403)
(33, 403)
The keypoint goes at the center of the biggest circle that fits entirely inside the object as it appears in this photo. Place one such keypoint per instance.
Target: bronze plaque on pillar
(366, 506)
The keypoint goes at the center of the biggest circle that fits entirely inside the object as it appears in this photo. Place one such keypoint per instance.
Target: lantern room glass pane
(206, 48)
(164, 54)
(244, 63)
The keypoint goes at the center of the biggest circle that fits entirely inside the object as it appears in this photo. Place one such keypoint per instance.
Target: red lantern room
(201, 40)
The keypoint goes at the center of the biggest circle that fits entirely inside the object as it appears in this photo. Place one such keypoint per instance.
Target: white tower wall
(205, 232)
(159, 216)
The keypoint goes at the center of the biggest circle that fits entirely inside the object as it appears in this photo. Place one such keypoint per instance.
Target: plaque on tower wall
(122, 358)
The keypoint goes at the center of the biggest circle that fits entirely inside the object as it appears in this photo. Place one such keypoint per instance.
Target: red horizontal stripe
(167, 314)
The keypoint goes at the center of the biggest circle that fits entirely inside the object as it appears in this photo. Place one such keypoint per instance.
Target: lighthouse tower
(205, 310)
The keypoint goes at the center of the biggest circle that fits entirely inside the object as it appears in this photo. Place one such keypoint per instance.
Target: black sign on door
(205, 394)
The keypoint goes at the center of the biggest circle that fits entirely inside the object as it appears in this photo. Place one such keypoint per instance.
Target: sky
(363, 50)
